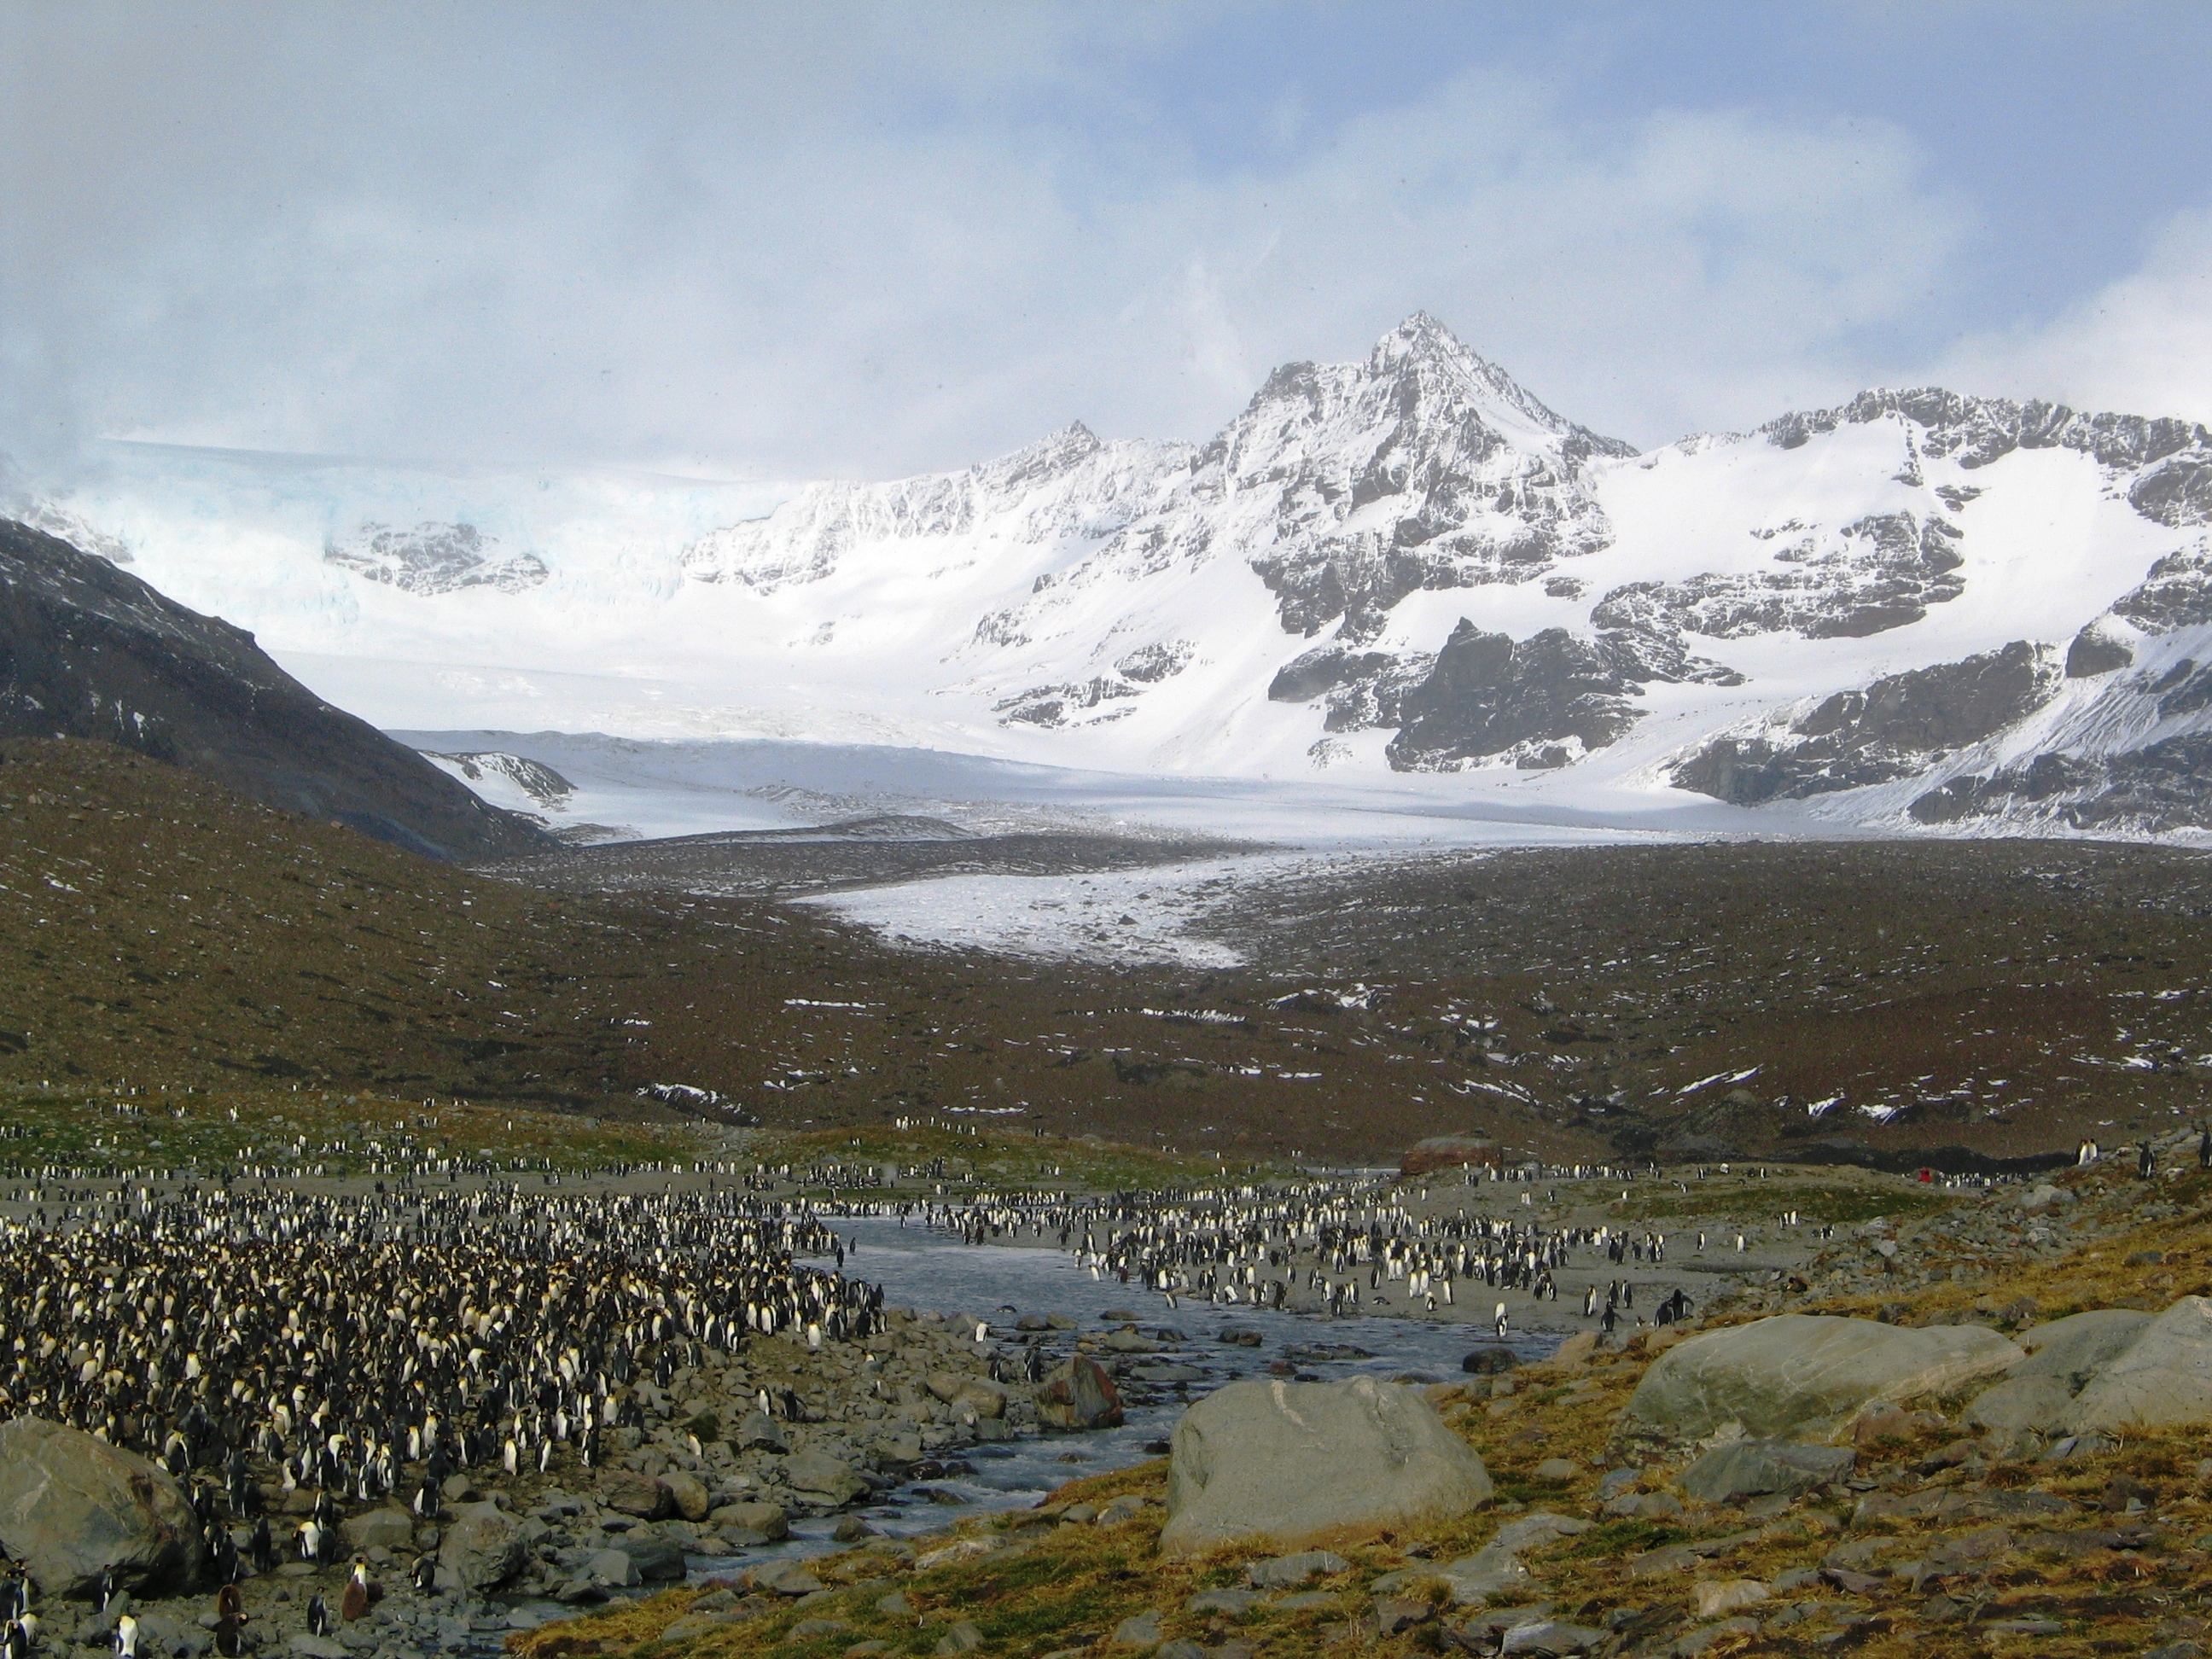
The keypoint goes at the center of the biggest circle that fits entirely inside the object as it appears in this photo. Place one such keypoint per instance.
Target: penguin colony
(372, 1344)
(1335, 1247)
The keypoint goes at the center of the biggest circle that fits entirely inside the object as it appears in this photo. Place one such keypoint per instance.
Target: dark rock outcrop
(1879, 573)
(2175, 593)
(1891, 729)
(1980, 430)
(2094, 652)
(89, 651)
(1488, 694)
(2160, 786)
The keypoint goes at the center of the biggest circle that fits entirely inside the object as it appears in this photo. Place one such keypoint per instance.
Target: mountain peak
(1423, 337)
(1423, 342)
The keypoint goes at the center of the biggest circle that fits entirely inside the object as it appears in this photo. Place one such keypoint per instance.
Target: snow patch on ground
(1121, 915)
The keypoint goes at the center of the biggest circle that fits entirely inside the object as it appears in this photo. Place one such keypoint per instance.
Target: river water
(932, 1272)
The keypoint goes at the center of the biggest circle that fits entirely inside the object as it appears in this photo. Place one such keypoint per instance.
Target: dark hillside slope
(90, 651)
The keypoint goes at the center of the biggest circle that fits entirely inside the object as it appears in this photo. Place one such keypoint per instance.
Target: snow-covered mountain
(1918, 610)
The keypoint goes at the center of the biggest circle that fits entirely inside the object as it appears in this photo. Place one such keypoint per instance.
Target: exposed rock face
(434, 558)
(72, 1507)
(2175, 593)
(89, 651)
(1875, 574)
(1891, 729)
(1801, 1376)
(1078, 1393)
(2162, 785)
(536, 780)
(1980, 431)
(2094, 651)
(2161, 1379)
(1487, 696)
(1308, 1463)
(2075, 1348)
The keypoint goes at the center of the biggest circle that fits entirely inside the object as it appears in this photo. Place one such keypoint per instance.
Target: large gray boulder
(1804, 1377)
(2163, 1379)
(1301, 1464)
(2038, 1393)
(481, 1548)
(2077, 1347)
(72, 1506)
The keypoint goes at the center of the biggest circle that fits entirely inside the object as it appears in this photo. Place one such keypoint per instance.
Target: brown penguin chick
(229, 1614)
(358, 1592)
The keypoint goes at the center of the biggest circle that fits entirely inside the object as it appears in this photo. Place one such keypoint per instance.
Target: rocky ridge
(87, 650)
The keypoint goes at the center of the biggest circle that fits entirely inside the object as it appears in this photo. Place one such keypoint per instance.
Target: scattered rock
(686, 1496)
(1310, 1462)
(1077, 1394)
(1138, 1631)
(1497, 1567)
(1750, 1469)
(1550, 1637)
(1718, 1598)
(1286, 1571)
(635, 1494)
(481, 1546)
(379, 1528)
(817, 1474)
(1230, 1603)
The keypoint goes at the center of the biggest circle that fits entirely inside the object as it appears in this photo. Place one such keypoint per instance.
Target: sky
(783, 243)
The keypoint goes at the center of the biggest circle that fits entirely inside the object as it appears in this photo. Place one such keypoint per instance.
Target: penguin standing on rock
(2146, 1162)
(319, 1616)
(127, 1637)
(425, 1574)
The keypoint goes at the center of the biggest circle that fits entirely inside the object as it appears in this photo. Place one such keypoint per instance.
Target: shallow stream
(932, 1272)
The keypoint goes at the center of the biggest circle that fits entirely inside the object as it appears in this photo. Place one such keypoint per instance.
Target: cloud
(2140, 346)
(803, 242)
